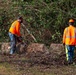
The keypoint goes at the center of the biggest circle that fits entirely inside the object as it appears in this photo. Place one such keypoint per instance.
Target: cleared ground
(34, 65)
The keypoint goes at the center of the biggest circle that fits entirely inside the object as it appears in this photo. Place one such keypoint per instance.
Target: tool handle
(29, 33)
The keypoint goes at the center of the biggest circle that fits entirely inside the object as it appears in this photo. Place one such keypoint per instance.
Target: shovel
(29, 32)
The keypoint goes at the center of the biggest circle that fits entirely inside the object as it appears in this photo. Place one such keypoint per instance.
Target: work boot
(70, 62)
(11, 52)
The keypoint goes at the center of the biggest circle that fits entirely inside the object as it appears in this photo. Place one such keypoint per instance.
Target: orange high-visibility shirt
(69, 35)
(15, 28)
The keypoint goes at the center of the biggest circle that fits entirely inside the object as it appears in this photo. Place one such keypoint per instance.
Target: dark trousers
(69, 52)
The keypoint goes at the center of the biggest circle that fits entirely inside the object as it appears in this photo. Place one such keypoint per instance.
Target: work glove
(19, 39)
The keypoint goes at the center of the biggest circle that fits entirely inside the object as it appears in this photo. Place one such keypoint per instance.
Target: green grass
(8, 69)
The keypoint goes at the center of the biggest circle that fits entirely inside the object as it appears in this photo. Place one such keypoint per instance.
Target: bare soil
(36, 63)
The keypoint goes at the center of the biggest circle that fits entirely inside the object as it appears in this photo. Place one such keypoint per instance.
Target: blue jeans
(69, 52)
(12, 43)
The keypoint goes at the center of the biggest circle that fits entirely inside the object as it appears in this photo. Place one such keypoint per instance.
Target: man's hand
(19, 39)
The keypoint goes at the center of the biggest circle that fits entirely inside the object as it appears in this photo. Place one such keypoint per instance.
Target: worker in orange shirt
(14, 34)
(69, 40)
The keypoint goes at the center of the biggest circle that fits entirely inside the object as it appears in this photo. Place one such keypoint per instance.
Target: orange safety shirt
(15, 28)
(69, 36)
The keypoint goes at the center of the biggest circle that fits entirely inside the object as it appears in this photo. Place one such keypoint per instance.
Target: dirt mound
(20, 48)
(5, 48)
(39, 53)
(36, 47)
(47, 59)
(56, 48)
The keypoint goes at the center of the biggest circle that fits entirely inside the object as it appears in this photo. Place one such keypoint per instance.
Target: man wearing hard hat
(14, 33)
(69, 40)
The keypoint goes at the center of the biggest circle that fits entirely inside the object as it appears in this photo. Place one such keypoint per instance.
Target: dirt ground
(36, 63)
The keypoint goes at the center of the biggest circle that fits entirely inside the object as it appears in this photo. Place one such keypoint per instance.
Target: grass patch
(8, 69)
